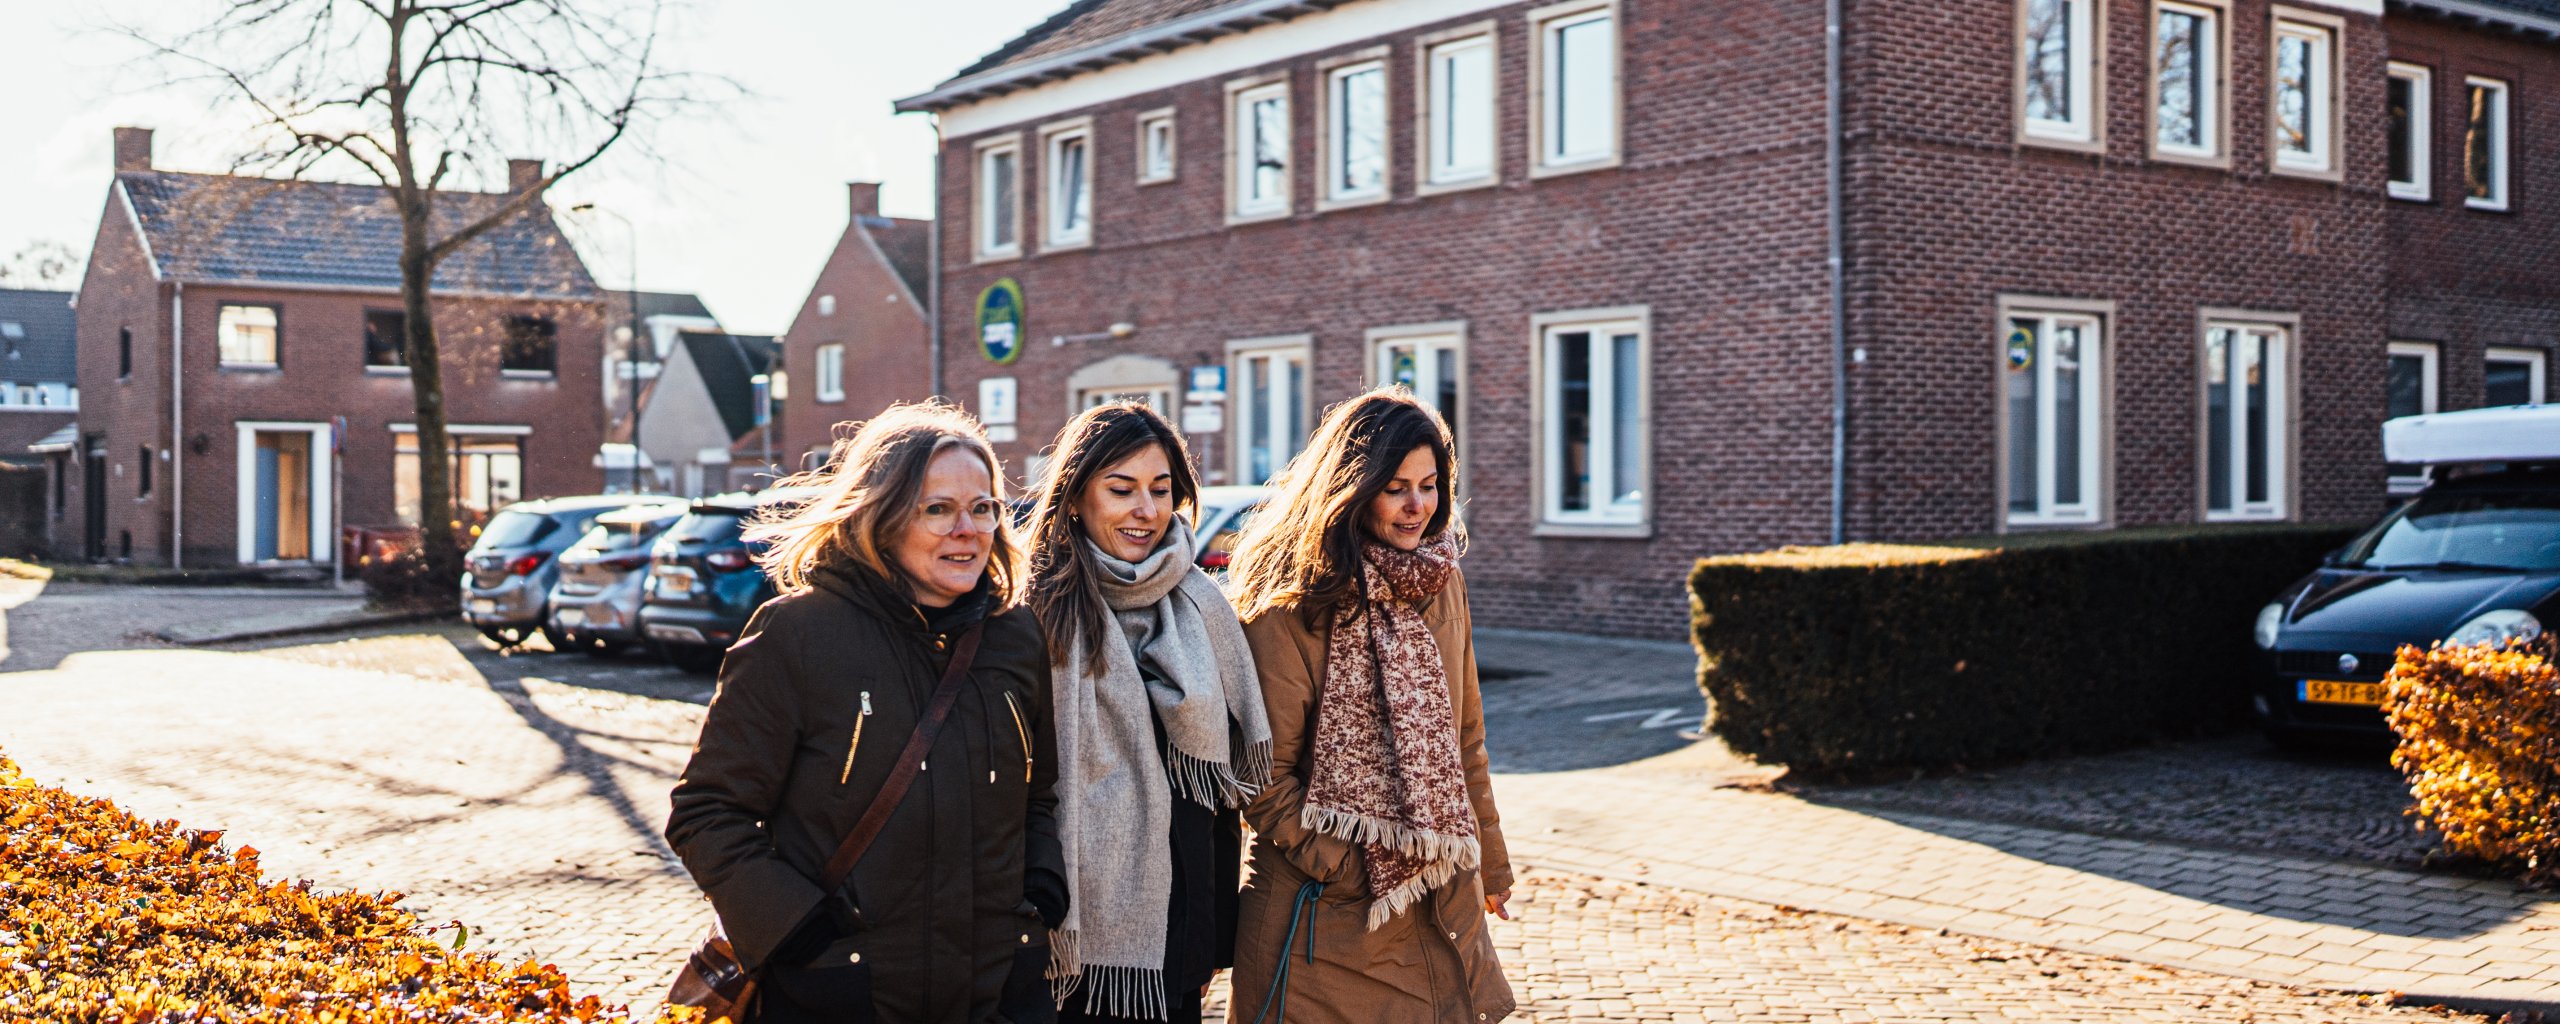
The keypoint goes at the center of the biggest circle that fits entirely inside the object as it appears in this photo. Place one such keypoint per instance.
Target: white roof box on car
(2511, 433)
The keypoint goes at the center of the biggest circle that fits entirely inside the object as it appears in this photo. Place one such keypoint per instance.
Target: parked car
(703, 579)
(1224, 511)
(596, 603)
(508, 573)
(2473, 558)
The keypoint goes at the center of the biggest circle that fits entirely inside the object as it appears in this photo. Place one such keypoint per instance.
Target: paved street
(521, 792)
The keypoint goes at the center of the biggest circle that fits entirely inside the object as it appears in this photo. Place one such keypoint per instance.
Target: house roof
(2539, 18)
(205, 228)
(37, 336)
(909, 246)
(654, 304)
(728, 363)
(1093, 34)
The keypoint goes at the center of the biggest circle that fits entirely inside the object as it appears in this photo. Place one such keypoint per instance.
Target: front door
(93, 499)
(284, 511)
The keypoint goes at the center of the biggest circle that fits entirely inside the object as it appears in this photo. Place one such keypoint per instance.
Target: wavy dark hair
(1063, 587)
(1302, 551)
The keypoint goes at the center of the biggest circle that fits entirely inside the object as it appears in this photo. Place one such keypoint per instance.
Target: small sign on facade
(1202, 418)
(1208, 384)
(1000, 310)
(1001, 434)
(2022, 349)
(996, 402)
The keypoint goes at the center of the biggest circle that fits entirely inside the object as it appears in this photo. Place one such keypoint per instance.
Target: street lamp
(631, 355)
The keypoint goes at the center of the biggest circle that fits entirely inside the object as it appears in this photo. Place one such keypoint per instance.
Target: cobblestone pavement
(42, 623)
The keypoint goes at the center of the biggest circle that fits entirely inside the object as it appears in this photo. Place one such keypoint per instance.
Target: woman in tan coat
(1377, 851)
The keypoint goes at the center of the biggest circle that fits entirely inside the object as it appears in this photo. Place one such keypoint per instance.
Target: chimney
(866, 198)
(523, 174)
(133, 149)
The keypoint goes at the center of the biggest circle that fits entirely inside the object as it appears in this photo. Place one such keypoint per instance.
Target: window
(1574, 123)
(1457, 111)
(124, 352)
(1430, 362)
(532, 346)
(1258, 171)
(826, 305)
(142, 480)
(2305, 96)
(1066, 201)
(2513, 376)
(2057, 70)
(487, 473)
(1271, 424)
(1592, 410)
(246, 335)
(2186, 81)
(830, 373)
(999, 207)
(2054, 409)
(1353, 135)
(2484, 144)
(1155, 146)
(2409, 99)
(2409, 390)
(2248, 393)
(386, 339)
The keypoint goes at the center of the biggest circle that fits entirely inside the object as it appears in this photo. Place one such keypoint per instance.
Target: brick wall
(882, 329)
(118, 294)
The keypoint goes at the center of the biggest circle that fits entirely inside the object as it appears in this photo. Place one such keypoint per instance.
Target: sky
(742, 207)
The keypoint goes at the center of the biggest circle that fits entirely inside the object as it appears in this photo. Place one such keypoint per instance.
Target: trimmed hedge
(107, 918)
(2479, 730)
(1868, 656)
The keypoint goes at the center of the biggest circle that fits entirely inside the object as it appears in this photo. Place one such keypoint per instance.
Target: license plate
(573, 617)
(2330, 691)
(483, 605)
(675, 584)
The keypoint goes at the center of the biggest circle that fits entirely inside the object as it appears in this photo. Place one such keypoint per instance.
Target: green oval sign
(1000, 321)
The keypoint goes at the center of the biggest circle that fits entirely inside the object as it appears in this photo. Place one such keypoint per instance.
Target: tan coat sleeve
(1468, 702)
(1291, 663)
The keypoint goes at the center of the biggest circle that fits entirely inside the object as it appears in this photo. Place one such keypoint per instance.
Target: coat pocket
(836, 986)
(1026, 998)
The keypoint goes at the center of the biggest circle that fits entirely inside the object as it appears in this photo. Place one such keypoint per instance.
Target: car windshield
(2511, 531)
(515, 529)
(708, 528)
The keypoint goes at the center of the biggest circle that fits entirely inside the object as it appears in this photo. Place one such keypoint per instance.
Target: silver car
(596, 603)
(508, 573)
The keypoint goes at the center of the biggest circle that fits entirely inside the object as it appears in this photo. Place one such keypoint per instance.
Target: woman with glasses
(1161, 735)
(897, 568)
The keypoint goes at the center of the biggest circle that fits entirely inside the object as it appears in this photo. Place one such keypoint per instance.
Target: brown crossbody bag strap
(910, 761)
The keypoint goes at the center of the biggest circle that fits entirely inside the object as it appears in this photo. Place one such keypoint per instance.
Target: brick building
(229, 324)
(2102, 262)
(859, 341)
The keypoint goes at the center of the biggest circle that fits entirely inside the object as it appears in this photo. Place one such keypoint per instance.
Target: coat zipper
(1022, 731)
(856, 746)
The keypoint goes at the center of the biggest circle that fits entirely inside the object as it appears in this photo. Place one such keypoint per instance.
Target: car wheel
(694, 658)
(505, 636)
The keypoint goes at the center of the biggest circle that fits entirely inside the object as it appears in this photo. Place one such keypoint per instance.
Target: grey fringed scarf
(1116, 788)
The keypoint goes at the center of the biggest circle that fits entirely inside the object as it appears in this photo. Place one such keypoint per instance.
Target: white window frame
(2282, 427)
(2322, 116)
(1545, 114)
(222, 335)
(1242, 94)
(2501, 148)
(1441, 336)
(1547, 425)
(2212, 81)
(983, 220)
(2430, 399)
(2097, 408)
(1055, 232)
(2421, 79)
(2084, 69)
(1149, 171)
(830, 382)
(1248, 406)
(1330, 152)
(2537, 386)
(1431, 116)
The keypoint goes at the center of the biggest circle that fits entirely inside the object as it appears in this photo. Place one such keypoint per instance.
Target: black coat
(933, 922)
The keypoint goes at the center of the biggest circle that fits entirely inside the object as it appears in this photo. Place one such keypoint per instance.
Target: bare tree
(421, 93)
(41, 264)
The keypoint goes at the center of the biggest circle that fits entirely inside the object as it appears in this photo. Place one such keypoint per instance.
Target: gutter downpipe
(177, 424)
(933, 267)
(1834, 196)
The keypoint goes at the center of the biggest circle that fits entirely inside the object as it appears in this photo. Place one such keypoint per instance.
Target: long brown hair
(866, 493)
(1063, 588)
(1302, 551)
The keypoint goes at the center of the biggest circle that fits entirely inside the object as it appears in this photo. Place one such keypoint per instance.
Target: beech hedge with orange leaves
(2479, 730)
(107, 918)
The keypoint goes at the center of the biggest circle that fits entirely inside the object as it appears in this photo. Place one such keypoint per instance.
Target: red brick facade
(860, 302)
(1715, 224)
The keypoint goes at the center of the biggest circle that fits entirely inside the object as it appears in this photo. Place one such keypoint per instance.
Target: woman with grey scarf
(1161, 731)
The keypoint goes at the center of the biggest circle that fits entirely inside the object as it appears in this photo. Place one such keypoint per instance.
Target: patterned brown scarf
(1386, 772)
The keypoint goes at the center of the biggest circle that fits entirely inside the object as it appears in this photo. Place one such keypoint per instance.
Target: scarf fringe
(1134, 993)
(1383, 909)
(1211, 784)
(1431, 847)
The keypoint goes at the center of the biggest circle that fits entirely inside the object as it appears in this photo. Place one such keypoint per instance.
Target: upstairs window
(999, 206)
(1258, 130)
(2304, 114)
(830, 373)
(1355, 132)
(2407, 101)
(386, 337)
(2186, 81)
(532, 346)
(1067, 201)
(2248, 384)
(247, 335)
(1576, 117)
(2484, 144)
(1457, 119)
(1155, 146)
(124, 352)
(2057, 70)
(142, 484)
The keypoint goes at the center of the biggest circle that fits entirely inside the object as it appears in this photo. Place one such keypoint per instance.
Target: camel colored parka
(1434, 962)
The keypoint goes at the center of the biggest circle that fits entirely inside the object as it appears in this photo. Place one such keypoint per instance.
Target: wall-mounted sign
(1000, 321)
(2022, 349)
(1204, 419)
(1208, 384)
(996, 401)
